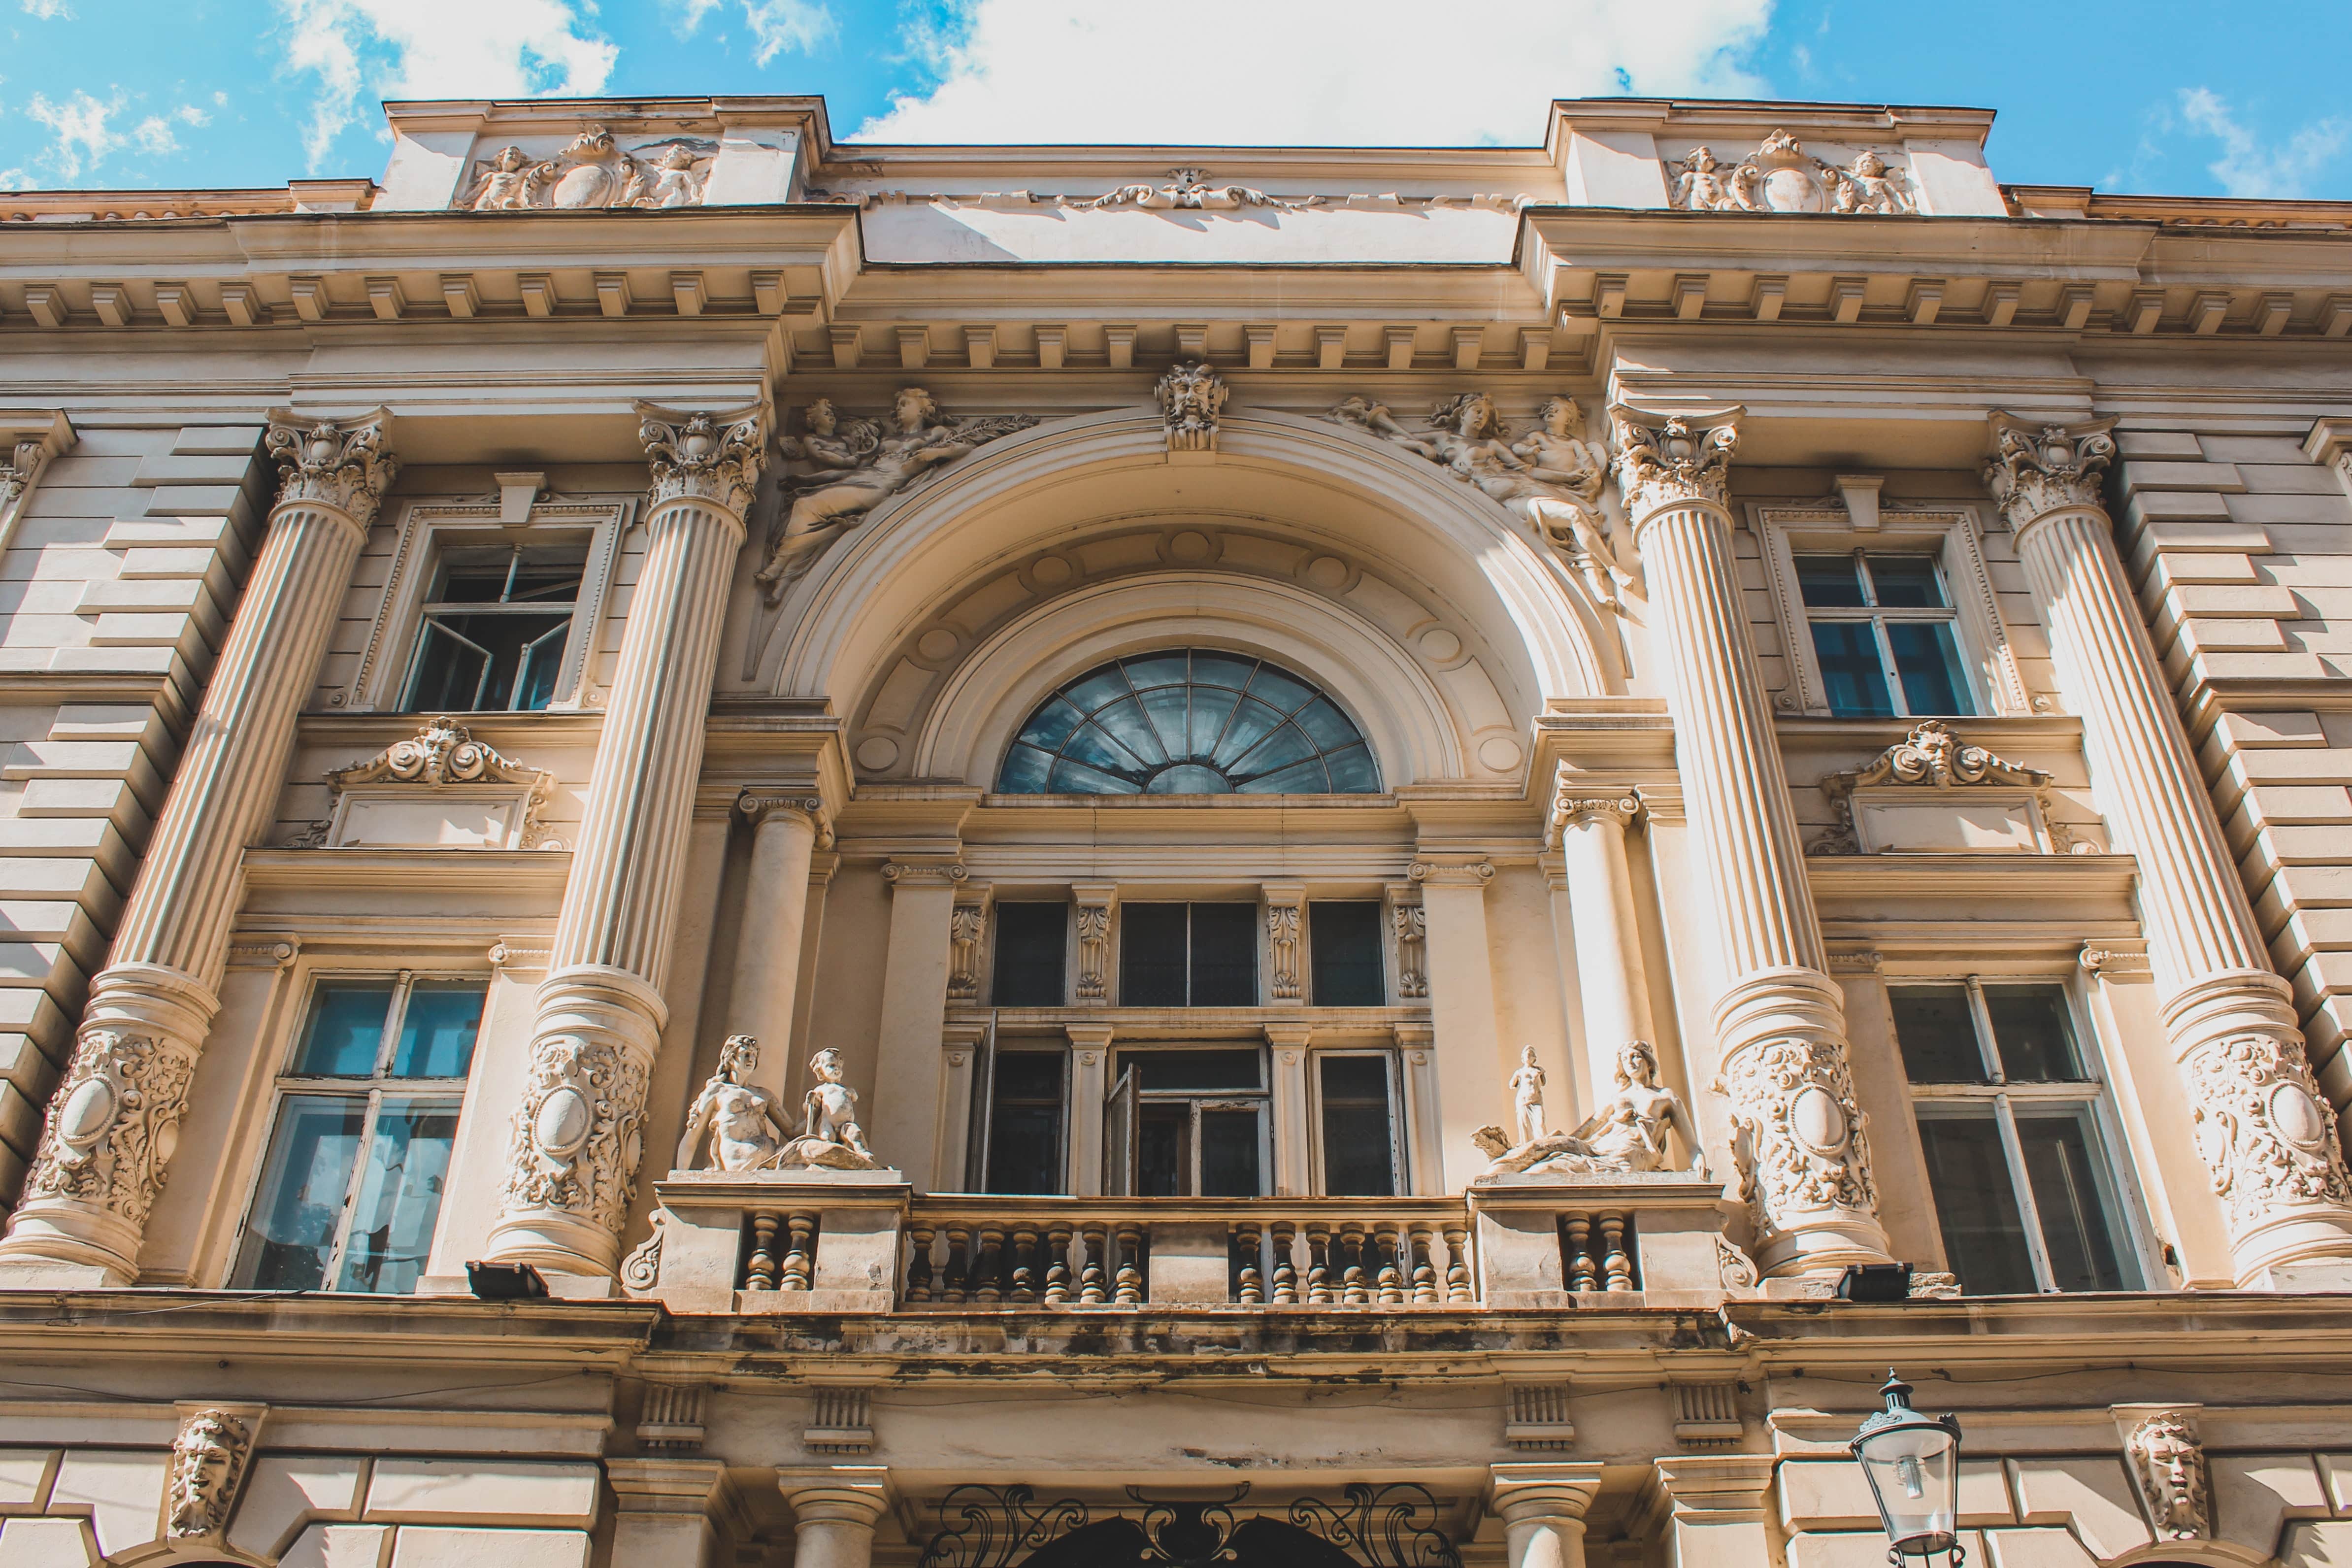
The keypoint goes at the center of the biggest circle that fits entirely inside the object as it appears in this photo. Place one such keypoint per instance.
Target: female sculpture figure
(1527, 1095)
(1627, 1134)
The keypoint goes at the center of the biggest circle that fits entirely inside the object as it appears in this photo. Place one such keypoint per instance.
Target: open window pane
(1151, 955)
(1344, 954)
(1032, 956)
(399, 1195)
(1984, 1235)
(2029, 1026)
(452, 671)
(1929, 662)
(1024, 1135)
(1359, 1141)
(439, 1028)
(1936, 1033)
(345, 1032)
(2062, 1164)
(1851, 672)
(1163, 1151)
(304, 1181)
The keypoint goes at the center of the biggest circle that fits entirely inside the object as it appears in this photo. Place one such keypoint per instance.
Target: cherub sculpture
(669, 181)
(1699, 186)
(509, 182)
(1871, 186)
(861, 464)
(829, 1113)
(1627, 1134)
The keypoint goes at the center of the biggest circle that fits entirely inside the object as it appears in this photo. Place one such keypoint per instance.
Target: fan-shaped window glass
(1188, 721)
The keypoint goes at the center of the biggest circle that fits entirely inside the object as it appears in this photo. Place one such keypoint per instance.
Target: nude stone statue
(1627, 1134)
(1526, 1097)
(746, 1127)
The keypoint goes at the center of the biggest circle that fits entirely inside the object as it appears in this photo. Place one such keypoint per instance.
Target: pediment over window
(438, 789)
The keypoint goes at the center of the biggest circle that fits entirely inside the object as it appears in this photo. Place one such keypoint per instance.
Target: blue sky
(2200, 100)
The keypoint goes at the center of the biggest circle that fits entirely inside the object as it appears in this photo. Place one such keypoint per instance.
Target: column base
(564, 1248)
(1820, 1246)
(59, 1243)
(46, 1273)
(2311, 1242)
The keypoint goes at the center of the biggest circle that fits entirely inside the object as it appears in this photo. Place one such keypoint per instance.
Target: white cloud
(690, 14)
(437, 48)
(2248, 168)
(1303, 72)
(154, 134)
(780, 25)
(79, 131)
(49, 10)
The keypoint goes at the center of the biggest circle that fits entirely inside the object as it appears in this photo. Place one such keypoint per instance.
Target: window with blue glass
(367, 1116)
(1885, 634)
(1188, 721)
(495, 630)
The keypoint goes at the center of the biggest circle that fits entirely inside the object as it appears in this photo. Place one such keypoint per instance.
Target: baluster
(1130, 1265)
(1615, 1266)
(1057, 1263)
(1024, 1251)
(1457, 1265)
(959, 1279)
(1388, 1246)
(1248, 1236)
(1093, 1240)
(918, 1264)
(760, 1270)
(987, 1287)
(1351, 1244)
(800, 1249)
(1579, 1253)
(1319, 1263)
(1424, 1277)
(1286, 1269)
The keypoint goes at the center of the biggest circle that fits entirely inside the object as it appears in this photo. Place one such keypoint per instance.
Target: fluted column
(573, 1156)
(115, 1120)
(1779, 1025)
(784, 833)
(2265, 1135)
(1543, 1509)
(1588, 828)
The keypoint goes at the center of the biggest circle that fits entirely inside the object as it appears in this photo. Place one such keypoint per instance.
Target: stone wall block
(420, 1546)
(481, 1492)
(2089, 1495)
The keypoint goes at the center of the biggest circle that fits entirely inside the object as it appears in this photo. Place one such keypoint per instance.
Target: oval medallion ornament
(2297, 1117)
(88, 1112)
(563, 1121)
(1817, 1120)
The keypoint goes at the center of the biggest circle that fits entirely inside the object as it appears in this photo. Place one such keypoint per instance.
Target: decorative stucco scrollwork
(709, 457)
(1801, 1144)
(577, 1134)
(594, 172)
(2268, 1138)
(1780, 176)
(115, 1124)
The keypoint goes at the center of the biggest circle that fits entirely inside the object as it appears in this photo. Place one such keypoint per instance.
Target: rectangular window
(1200, 1123)
(2009, 1121)
(1885, 634)
(1344, 954)
(494, 630)
(1359, 1126)
(1025, 1122)
(367, 1114)
(1032, 953)
(1188, 955)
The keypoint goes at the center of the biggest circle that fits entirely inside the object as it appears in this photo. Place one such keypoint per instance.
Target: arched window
(1188, 722)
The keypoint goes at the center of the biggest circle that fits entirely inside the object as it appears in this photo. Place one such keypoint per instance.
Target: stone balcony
(864, 1243)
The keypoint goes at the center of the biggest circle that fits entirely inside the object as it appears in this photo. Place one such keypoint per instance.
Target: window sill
(1197, 1023)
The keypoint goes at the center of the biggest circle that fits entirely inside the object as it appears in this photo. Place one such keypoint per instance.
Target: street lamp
(1913, 1463)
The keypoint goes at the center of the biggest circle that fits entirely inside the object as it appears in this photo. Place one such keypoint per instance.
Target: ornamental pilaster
(115, 1121)
(2268, 1141)
(1779, 1025)
(1587, 830)
(576, 1139)
(787, 827)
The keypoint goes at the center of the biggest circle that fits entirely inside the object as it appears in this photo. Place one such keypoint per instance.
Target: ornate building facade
(729, 851)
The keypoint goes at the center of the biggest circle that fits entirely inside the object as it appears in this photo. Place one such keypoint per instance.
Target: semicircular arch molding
(1400, 516)
(1414, 731)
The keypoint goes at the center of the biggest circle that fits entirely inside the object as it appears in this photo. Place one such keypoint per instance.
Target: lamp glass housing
(1913, 1463)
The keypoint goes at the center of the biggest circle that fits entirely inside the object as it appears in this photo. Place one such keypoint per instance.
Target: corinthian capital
(346, 464)
(2039, 469)
(1671, 460)
(709, 457)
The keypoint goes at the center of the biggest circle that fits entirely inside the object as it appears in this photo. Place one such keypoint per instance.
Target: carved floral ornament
(1186, 191)
(444, 754)
(115, 1122)
(1933, 757)
(1780, 176)
(343, 464)
(2267, 1138)
(594, 172)
(2041, 468)
(1673, 460)
(578, 1132)
(1800, 1138)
